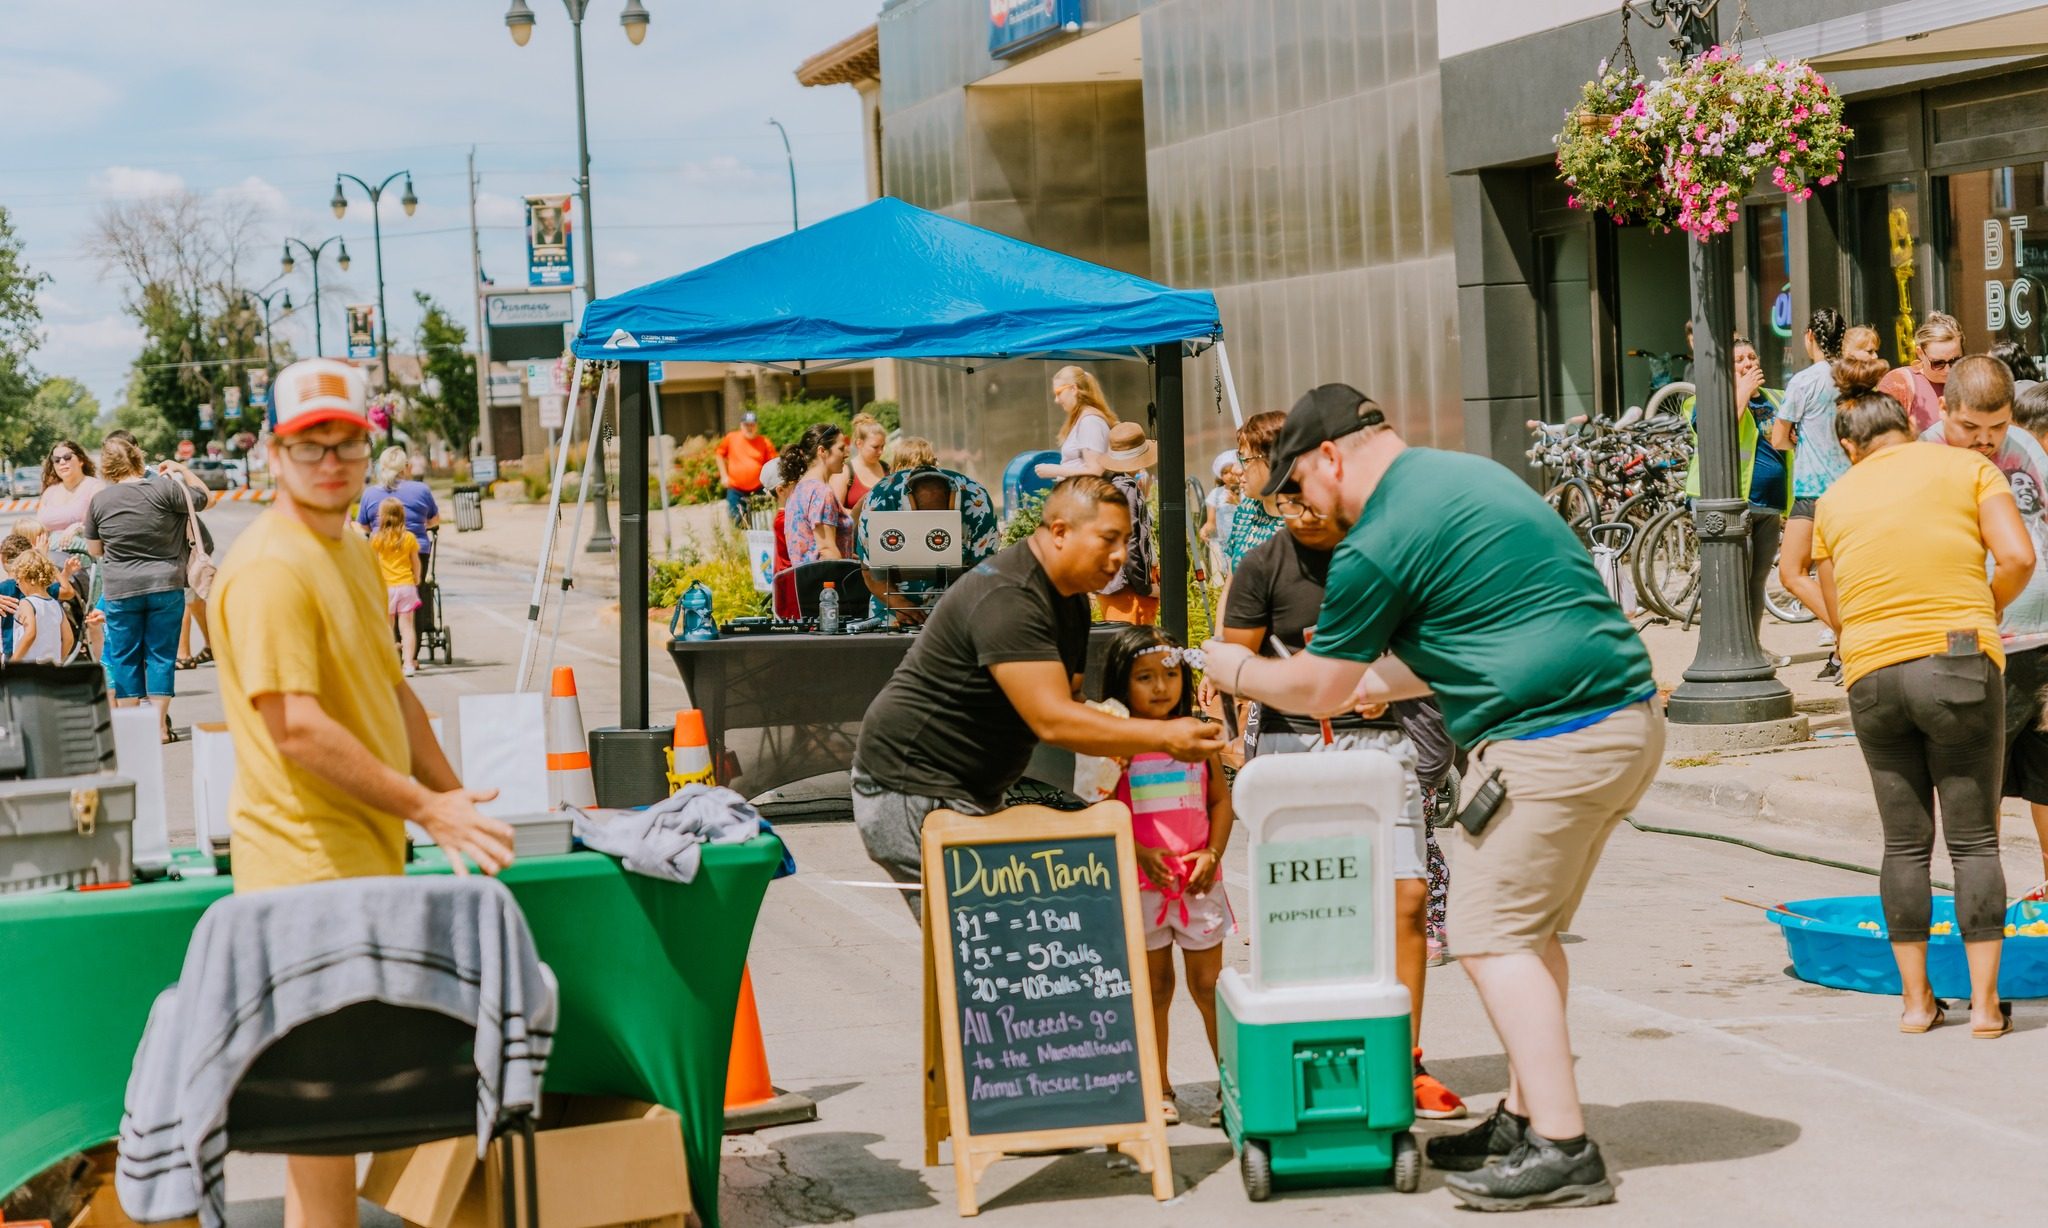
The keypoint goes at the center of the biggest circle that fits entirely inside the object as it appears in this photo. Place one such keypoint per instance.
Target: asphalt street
(1723, 1090)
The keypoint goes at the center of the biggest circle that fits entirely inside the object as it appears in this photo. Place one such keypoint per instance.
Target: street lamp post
(313, 254)
(249, 299)
(376, 194)
(791, 159)
(1730, 681)
(519, 21)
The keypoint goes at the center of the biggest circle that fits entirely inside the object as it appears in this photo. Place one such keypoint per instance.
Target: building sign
(548, 262)
(507, 387)
(362, 330)
(2005, 304)
(541, 378)
(514, 310)
(1016, 24)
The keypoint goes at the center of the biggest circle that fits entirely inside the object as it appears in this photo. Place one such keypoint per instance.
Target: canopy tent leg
(668, 524)
(595, 440)
(1229, 384)
(633, 669)
(547, 553)
(1167, 391)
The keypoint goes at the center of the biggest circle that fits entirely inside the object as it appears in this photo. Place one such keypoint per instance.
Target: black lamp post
(313, 254)
(411, 202)
(250, 298)
(790, 157)
(1730, 681)
(519, 21)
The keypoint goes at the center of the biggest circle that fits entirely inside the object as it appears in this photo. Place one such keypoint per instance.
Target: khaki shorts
(1517, 886)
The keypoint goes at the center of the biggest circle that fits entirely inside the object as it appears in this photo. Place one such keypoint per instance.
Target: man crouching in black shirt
(996, 670)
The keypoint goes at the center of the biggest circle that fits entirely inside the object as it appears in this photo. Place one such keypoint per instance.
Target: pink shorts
(403, 599)
(1207, 920)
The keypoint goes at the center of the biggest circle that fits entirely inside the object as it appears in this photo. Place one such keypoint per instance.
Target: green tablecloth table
(649, 973)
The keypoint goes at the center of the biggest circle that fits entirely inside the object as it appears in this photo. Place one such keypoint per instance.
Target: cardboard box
(600, 1162)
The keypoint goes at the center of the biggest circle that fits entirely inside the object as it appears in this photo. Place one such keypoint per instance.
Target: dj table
(783, 708)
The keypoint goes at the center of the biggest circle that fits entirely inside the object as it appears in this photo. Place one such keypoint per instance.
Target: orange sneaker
(1432, 1099)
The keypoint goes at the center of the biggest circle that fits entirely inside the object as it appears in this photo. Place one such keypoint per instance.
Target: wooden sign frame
(945, 1114)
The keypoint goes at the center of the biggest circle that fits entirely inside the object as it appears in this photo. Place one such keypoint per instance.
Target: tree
(20, 328)
(59, 409)
(445, 402)
(183, 256)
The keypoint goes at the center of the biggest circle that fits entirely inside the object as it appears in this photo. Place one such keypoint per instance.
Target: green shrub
(694, 479)
(725, 570)
(783, 423)
(889, 413)
(1024, 521)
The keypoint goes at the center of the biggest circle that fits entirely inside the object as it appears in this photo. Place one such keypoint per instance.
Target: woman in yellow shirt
(1900, 541)
(398, 562)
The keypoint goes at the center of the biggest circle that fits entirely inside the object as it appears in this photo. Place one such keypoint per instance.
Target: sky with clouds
(267, 101)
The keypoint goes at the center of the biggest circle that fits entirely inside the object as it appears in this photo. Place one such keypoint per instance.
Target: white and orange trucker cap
(316, 390)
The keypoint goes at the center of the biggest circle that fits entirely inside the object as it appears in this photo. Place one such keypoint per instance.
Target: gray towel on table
(663, 840)
(261, 964)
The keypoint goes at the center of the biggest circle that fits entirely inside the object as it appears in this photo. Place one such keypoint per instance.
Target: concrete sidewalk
(1817, 791)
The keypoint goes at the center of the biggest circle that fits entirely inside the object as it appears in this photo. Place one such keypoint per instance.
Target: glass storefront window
(1888, 277)
(1567, 306)
(1775, 334)
(1996, 265)
(1653, 298)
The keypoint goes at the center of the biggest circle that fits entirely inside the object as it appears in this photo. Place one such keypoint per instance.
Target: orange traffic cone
(751, 1101)
(689, 758)
(569, 780)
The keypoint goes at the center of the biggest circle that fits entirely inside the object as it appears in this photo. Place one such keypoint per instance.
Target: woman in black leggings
(1901, 540)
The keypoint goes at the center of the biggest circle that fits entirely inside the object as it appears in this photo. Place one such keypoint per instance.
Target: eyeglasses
(314, 453)
(1251, 458)
(58, 458)
(1292, 507)
(1941, 364)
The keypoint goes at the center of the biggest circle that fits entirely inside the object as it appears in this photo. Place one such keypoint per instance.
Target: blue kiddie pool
(1833, 949)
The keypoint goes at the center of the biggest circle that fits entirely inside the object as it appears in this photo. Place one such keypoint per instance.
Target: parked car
(212, 473)
(25, 482)
(238, 474)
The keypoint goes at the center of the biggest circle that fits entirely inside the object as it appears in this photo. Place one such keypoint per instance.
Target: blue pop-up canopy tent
(889, 280)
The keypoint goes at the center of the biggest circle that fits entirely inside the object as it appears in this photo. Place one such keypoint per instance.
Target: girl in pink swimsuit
(1180, 822)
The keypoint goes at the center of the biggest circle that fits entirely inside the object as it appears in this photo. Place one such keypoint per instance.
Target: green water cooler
(1317, 1063)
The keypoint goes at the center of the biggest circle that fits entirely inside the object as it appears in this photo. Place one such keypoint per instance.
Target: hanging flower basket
(1683, 152)
(1603, 154)
(1724, 126)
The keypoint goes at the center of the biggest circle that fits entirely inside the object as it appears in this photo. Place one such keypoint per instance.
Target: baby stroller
(433, 629)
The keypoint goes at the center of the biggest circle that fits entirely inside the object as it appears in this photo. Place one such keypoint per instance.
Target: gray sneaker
(1537, 1173)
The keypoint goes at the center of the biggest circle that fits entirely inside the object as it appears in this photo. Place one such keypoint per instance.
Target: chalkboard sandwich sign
(1037, 1012)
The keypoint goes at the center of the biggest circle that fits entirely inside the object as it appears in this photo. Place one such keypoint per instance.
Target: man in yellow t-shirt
(332, 748)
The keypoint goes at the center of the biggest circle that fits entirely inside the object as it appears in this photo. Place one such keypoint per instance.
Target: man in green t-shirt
(1453, 578)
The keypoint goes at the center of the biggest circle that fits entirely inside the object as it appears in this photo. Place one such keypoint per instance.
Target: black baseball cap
(1324, 413)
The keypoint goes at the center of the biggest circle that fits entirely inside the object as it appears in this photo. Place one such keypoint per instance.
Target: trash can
(469, 508)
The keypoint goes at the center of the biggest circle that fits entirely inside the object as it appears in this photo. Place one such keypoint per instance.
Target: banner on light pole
(362, 330)
(548, 260)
